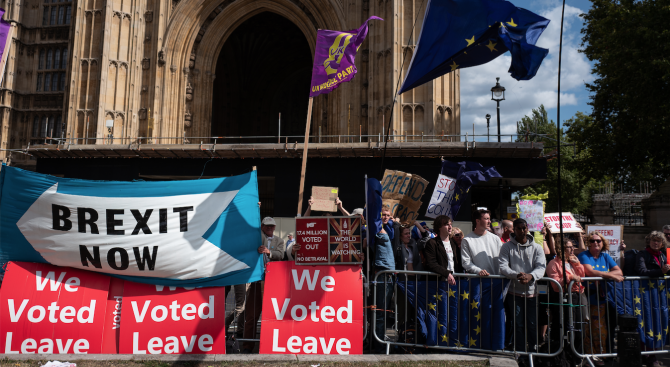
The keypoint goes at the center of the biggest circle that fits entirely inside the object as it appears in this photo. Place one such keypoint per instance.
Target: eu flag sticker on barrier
(180, 233)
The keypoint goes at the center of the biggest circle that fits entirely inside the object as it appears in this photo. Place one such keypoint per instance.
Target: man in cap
(272, 248)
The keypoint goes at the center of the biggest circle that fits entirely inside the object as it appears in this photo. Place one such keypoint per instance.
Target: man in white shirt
(480, 248)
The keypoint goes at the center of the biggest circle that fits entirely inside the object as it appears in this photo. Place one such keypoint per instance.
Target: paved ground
(382, 360)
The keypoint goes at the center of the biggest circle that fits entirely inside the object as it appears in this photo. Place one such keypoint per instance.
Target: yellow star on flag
(439, 325)
(473, 342)
(454, 66)
(661, 286)
(636, 299)
(478, 329)
(431, 306)
(642, 289)
(492, 46)
(642, 324)
(470, 41)
(456, 197)
(651, 285)
(438, 296)
(458, 344)
(667, 294)
(666, 330)
(478, 316)
(511, 23)
(637, 312)
(659, 336)
(474, 304)
(651, 333)
(444, 338)
(465, 295)
(452, 293)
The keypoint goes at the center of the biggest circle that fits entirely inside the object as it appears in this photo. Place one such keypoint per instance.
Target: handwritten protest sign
(533, 212)
(440, 201)
(402, 192)
(613, 234)
(324, 198)
(569, 223)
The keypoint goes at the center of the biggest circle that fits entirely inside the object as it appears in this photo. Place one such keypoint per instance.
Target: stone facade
(80, 70)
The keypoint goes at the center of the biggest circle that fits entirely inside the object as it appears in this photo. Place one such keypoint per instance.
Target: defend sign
(52, 310)
(312, 309)
(168, 320)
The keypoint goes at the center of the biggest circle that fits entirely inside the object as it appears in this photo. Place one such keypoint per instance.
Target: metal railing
(268, 139)
(539, 300)
(601, 299)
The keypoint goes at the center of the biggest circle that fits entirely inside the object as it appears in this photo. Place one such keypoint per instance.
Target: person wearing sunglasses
(666, 232)
(456, 236)
(598, 263)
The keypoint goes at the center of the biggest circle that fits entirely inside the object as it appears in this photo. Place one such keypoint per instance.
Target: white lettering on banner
(160, 313)
(116, 322)
(118, 235)
(294, 344)
(46, 346)
(37, 313)
(326, 313)
(171, 345)
(440, 201)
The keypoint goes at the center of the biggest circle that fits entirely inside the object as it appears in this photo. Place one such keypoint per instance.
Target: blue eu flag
(466, 174)
(458, 34)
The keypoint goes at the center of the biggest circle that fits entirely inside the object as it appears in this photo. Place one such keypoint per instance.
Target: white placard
(613, 234)
(533, 212)
(569, 223)
(440, 201)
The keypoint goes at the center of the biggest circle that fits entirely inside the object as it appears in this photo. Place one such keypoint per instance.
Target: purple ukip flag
(334, 58)
(5, 41)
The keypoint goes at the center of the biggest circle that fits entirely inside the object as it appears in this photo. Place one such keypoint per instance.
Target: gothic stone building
(184, 70)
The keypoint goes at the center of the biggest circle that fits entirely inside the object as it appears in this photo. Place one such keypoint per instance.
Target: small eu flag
(458, 34)
(467, 174)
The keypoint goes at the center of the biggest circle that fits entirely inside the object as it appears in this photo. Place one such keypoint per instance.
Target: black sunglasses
(595, 241)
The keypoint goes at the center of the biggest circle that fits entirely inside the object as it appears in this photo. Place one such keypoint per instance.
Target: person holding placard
(598, 263)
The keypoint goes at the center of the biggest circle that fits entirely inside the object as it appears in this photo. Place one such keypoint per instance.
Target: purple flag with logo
(334, 58)
(5, 41)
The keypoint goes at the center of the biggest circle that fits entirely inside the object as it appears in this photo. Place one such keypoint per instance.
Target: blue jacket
(384, 259)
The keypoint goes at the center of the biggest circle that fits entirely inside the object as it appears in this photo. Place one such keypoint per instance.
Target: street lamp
(488, 125)
(498, 94)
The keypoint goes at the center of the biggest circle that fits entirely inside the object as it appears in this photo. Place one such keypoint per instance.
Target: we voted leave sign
(312, 309)
(178, 233)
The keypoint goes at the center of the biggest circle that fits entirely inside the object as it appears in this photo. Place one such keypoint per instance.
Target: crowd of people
(508, 249)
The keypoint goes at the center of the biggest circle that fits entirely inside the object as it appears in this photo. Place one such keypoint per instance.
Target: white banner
(532, 211)
(613, 234)
(440, 201)
(569, 223)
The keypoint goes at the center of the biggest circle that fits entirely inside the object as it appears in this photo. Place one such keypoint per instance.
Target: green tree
(577, 188)
(629, 134)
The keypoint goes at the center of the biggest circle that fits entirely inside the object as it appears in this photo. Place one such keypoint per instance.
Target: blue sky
(522, 96)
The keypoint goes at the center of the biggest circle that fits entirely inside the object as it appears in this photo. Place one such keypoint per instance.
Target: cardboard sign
(312, 235)
(533, 212)
(345, 240)
(440, 201)
(324, 198)
(312, 309)
(569, 223)
(613, 234)
(403, 192)
(171, 320)
(47, 309)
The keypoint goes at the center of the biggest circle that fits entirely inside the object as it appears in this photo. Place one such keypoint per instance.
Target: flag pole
(558, 162)
(304, 156)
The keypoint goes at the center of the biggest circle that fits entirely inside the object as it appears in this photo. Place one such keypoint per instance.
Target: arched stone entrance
(264, 68)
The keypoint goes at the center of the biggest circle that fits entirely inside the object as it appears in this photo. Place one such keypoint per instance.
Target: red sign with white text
(112, 332)
(312, 235)
(48, 309)
(172, 320)
(312, 309)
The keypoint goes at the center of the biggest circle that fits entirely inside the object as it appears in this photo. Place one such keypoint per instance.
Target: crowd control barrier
(469, 316)
(593, 316)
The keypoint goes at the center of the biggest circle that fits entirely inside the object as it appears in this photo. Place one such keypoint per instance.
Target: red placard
(312, 309)
(345, 240)
(171, 320)
(48, 309)
(312, 235)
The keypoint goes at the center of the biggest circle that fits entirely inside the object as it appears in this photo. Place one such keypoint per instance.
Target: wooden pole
(304, 156)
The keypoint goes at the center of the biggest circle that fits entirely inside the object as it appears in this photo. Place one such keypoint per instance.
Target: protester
(507, 230)
(290, 240)
(240, 298)
(523, 261)
(442, 256)
(272, 249)
(480, 248)
(574, 272)
(421, 230)
(666, 232)
(384, 260)
(548, 242)
(598, 263)
(407, 255)
(457, 237)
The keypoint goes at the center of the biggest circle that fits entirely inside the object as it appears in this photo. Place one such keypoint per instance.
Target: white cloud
(522, 96)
